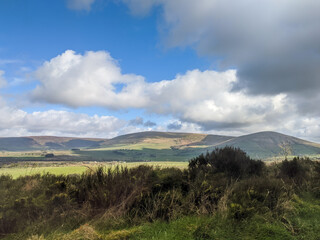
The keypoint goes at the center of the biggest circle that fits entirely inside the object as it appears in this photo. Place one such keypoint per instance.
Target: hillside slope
(147, 145)
(272, 144)
(46, 143)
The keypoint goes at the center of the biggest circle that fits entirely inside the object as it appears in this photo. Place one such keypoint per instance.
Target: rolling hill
(164, 145)
(272, 144)
(46, 143)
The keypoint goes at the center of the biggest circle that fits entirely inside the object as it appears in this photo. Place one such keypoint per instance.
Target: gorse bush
(225, 181)
(231, 161)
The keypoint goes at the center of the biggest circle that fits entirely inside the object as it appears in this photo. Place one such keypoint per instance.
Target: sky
(103, 68)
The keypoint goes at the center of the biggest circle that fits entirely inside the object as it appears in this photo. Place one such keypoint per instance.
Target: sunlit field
(76, 168)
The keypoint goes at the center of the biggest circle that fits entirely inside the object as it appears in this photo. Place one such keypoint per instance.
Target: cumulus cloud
(3, 81)
(206, 98)
(80, 4)
(198, 100)
(16, 122)
(274, 44)
(90, 79)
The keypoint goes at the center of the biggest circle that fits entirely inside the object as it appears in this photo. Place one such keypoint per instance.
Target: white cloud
(3, 81)
(80, 4)
(205, 97)
(16, 122)
(90, 79)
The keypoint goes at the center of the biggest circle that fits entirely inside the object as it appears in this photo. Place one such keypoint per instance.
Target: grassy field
(20, 171)
(133, 153)
(35, 154)
(146, 154)
(76, 168)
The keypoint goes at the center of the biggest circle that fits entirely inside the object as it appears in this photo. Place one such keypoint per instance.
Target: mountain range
(258, 145)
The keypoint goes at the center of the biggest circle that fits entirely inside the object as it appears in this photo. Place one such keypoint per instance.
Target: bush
(258, 195)
(228, 160)
(294, 170)
(225, 181)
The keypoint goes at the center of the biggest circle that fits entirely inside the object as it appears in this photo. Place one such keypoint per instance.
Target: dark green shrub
(294, 170)
(228, 160)
(169, 178)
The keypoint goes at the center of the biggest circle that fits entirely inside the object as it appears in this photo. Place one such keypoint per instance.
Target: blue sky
(34, 31)
(100, 68)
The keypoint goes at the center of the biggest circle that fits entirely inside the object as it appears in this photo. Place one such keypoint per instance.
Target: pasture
(18, 170)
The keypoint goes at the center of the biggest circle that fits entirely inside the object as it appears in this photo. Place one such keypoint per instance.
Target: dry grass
(84, 232)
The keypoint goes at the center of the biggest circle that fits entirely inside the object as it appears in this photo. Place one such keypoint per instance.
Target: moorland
(155, 185)
(223, 194)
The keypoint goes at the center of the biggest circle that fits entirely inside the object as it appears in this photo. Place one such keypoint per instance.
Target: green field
(78, 168)
(20, 171)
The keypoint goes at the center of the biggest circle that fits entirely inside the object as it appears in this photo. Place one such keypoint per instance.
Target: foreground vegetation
(221, 195)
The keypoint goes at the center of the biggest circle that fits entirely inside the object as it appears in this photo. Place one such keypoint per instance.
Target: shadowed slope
(272, 144)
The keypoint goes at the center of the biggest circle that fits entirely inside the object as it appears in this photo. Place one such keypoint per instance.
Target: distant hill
(18, 144)
(46, 143)
(148, 145)
(272, 144)
(161, 138)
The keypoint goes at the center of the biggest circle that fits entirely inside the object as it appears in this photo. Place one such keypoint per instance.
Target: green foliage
(294, 170)
(222, 187)
(259, 195)
(228, 160)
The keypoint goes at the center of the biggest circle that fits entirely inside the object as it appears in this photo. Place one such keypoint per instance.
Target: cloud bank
(16, 122)
(273, 44)
(206, 99)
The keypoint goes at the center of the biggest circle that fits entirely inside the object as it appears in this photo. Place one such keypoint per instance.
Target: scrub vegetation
(220, 195)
